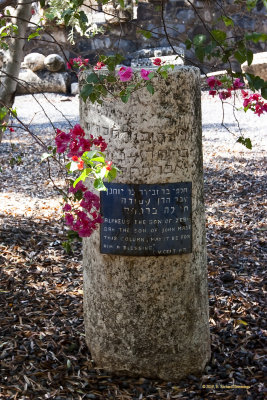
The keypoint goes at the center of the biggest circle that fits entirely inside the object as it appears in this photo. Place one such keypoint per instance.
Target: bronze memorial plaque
(146, 219)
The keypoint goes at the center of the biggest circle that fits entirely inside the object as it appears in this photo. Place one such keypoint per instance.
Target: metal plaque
(146, 220)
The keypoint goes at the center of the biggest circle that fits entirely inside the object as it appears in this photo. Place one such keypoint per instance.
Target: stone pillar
(148, 315)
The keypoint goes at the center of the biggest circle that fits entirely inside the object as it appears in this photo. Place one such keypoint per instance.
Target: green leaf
(83, 176)
(50, 16)
(111, 78)
(245, 141)
(258, 83)
(240, 56)
(251, 4)
(99, 184)
(98, 159)
(145, 33)
(68, 166)
(256, 37)
(188, 44)
(93, 97)
(150, 88)
(241, 322)
(227, 21)
(88, 155)
(249, 57)
(86, 91)
(3, 112)
(200, 53)
(164, 74)
(264, 92)
(218, 35)
(199, 40)
(92, 78)
(33, 35)
(112, 174)
(82, 17)
(125, 97)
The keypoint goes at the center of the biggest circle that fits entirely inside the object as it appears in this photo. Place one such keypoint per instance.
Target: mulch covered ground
(42, 348)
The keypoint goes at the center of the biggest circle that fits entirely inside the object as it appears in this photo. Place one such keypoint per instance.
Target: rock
(148, 315)
(43, 81)
(258, 66)
(54, 63)
(74, 88)
(34, 61)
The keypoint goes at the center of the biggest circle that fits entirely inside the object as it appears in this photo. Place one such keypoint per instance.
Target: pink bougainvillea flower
(125, 74)
(62, 140)
(77, 131)
(100, 142)
(75, 158)
(246, 103)
(11, 129)
(157, 61)
(99, 65)
(79, 186)
(244, 93)
(258, 109)
(69, 219)
(144, 74)
(238, 84)
(67, 207)
(213, 92)
(225, 94)
(70, 63)
(212, 82)
(255, 96)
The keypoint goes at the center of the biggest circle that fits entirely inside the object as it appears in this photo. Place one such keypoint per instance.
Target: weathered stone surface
(148, 316)
(43, 81)
(157, 52)
(34, 61)
(54, 63)
(258, 66)
(74, 88)
(148, 62)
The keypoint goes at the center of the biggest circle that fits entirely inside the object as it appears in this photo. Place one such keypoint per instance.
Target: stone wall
(181, 21)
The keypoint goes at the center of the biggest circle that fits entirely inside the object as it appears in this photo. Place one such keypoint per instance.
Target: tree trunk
(14, 57)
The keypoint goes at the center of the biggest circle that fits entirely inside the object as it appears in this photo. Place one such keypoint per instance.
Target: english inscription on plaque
(146, 220)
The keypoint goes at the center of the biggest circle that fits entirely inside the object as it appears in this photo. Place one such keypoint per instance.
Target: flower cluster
(84, 221)
(82, 217)
(215, 84)
(78, 62)
(75, 142)
(126, 74)
(99, 65)
(254, 102)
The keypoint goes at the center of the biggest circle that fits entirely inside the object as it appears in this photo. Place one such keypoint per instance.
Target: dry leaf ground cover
(42, 349)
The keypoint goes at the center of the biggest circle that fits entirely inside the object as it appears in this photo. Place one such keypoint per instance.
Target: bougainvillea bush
(86, 162)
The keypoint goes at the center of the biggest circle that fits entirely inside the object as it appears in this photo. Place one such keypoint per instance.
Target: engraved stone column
(146, 304)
